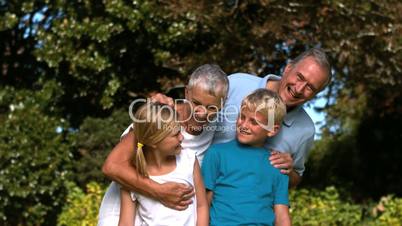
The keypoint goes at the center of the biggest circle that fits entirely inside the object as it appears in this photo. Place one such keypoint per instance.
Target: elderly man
(205, 95)
(302, 79)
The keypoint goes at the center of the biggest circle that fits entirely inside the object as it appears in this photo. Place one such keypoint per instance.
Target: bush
(308, 207)
(313, 207)
(81, 209)
(387, 212)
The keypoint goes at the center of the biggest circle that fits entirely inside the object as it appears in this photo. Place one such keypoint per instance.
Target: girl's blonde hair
(152, 123)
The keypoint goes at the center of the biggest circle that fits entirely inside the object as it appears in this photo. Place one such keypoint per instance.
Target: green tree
(93, 141)
(103, 53)
(35, 158)
(19, 66)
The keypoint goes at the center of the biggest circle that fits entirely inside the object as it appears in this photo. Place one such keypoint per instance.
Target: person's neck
(156, 160)
(258, 144)
(187, 120)
(289, 109)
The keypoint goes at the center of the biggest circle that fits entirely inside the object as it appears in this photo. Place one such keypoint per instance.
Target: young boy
(243, 188)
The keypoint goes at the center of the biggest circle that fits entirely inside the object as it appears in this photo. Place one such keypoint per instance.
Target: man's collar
(264, 81)
(291, 116)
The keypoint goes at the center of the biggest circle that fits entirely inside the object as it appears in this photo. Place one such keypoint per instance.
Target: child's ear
(273, 131)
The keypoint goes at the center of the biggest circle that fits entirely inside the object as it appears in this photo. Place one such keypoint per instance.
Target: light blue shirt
(245, 185)
(296, 135)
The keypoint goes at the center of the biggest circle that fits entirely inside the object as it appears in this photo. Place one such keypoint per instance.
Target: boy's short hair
(265, 102)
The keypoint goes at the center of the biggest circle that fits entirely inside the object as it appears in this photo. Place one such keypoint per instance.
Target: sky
(317, 117)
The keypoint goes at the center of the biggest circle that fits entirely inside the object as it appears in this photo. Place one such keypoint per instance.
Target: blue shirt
(244, 183)
(296, 135)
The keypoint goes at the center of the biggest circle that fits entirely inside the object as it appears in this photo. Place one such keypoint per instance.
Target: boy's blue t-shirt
(244, 183)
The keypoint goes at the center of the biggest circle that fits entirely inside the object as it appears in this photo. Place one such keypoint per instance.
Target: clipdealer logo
(200, 114)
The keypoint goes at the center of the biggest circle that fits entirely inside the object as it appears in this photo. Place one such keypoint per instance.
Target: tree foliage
(74, 212)
(70, 65)
(103, 52)
(35, 159)
(93, 141)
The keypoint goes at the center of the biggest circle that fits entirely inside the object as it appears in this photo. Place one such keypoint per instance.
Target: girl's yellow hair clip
(139, 145)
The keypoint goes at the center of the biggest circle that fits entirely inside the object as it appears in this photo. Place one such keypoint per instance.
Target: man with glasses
(204, 97)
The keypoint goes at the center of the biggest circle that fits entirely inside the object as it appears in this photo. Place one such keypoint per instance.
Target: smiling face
(204, 106)
(249, 130)
(171, 144)
(301, 82)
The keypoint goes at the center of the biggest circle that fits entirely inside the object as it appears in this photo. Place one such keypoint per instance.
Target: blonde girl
(159, 157)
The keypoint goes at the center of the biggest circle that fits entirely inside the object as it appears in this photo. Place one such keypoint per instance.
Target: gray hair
(319, 56)
(211, 78)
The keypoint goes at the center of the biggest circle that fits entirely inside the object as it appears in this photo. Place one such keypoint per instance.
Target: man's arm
(118, 167)
(294, 179)
(299, 159)
(284, 161)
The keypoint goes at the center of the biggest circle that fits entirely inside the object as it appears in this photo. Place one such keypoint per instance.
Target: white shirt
(198, 144)
(153, 213)
(109, 211)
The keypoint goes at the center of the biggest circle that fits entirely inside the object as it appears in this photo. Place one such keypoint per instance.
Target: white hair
(211, 78)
